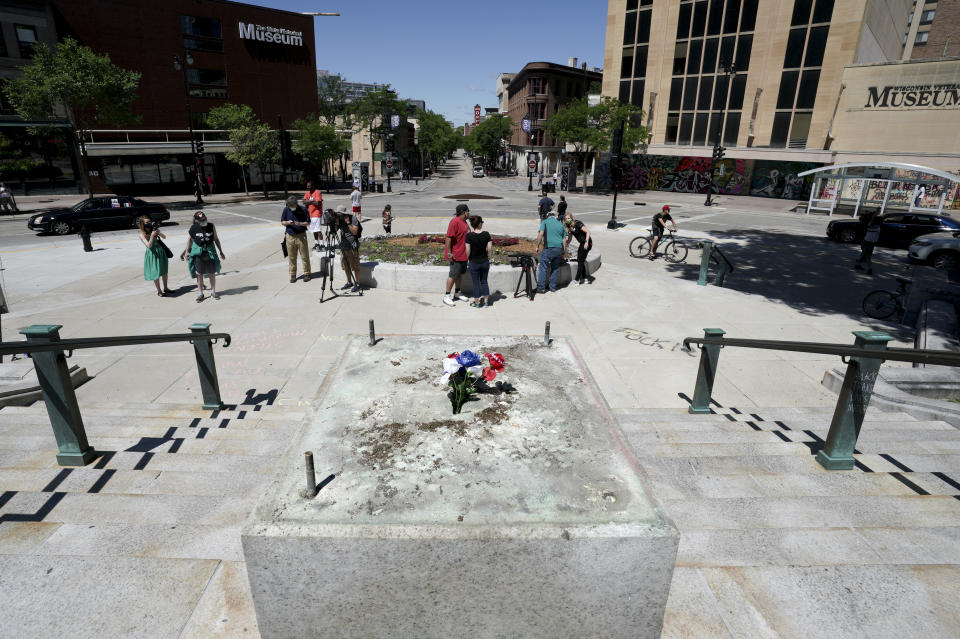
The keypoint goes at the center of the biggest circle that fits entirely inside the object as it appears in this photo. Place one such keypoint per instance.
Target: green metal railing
(49, 354)
(712, 253)
(867, 354)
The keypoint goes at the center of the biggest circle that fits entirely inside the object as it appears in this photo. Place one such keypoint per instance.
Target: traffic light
(390, 145)
(199, 147)
(616, 145)
(718, 152)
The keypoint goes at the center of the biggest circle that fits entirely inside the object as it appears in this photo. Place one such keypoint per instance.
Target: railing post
(709, 354)
(705, 262)
(721, 273)
(206, 367)
(837, 451)
(61, 400)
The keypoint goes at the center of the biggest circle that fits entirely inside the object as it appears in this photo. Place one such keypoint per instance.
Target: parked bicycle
(883, 304)
(673, 249)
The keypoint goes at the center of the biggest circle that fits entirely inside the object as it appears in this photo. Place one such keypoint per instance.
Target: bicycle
(673, 251)
(882, 304)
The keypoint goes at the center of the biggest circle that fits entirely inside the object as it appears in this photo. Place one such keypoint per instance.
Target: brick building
(538, 91)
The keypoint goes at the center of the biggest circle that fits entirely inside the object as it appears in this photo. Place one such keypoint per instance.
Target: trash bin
(379, 187)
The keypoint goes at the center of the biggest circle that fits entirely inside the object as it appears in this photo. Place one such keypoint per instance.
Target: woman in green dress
(155, 259)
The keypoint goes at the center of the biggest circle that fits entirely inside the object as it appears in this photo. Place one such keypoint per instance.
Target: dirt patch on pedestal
(471, 196)
(428, 249)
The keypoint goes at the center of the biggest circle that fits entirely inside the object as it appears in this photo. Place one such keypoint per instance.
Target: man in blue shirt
(544, 206)
(553, 237)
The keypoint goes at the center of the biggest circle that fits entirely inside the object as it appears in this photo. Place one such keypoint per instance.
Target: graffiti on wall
(676, 174)
(780, 179)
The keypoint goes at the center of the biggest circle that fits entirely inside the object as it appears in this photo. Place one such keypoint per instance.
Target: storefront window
(26, 39)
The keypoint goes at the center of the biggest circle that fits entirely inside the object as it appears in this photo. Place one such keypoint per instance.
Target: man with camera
(553, 237)
(295, 220)
(349, 248)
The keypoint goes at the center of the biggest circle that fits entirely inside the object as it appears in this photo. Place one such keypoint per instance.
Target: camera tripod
(528, 275)
(331, 240)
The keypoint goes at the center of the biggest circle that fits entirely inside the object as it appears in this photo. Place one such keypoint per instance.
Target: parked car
(940, 250)
(478, 171)
(897, 230)
(98, 211)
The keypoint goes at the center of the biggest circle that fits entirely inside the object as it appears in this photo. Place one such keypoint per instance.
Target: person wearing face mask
(201, 253)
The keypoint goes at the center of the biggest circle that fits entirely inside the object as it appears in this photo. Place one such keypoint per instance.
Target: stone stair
(145, 541)
(773, 545)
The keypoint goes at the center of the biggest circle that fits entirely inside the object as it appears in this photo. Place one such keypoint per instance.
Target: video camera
(518, 260)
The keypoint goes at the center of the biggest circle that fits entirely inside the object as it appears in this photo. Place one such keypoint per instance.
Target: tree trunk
(263, 174)
(243, 173)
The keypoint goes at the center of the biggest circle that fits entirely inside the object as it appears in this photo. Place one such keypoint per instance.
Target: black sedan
(98, 211)
(897, 230)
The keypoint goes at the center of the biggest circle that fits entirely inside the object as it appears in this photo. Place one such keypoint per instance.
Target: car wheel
(136, 220)
(848, 236)
(61, 227)
(945, 260)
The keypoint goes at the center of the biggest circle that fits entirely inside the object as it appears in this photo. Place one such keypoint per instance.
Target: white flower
(476, 371)
(451, 365)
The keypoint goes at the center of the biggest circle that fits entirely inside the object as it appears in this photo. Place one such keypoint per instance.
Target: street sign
(389, 164)
(532, 164)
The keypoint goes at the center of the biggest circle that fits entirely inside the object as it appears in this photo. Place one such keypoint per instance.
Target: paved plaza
(145, 542)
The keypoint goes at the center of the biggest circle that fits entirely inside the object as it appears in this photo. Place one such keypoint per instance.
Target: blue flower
(468, 359)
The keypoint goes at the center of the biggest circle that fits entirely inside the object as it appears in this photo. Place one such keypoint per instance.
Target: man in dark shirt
(350, 248)
(544, 206)
(659, 224)
(296, 220)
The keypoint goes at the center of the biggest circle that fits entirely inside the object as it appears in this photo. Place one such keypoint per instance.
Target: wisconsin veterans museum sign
(270, 34)
(914, 96)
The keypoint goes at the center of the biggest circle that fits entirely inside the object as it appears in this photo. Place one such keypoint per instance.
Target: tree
(318, 142)
(254, 143)
(436, 135)
(335, 111)
(371, 113)
(488, 136)
(88, 87)
(15, 161)
(589, 128)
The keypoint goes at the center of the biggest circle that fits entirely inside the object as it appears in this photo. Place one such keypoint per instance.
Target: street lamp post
(729, 69)
(180, 64)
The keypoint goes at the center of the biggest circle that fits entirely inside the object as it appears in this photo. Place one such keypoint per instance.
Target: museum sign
(270, 34)
(914, 96)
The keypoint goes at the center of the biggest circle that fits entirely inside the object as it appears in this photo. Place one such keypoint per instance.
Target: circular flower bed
(428, 249)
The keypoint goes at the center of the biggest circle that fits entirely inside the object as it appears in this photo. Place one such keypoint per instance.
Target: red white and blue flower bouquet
(462, 371)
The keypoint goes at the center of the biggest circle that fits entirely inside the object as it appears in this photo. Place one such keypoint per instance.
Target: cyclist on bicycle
(659, 224)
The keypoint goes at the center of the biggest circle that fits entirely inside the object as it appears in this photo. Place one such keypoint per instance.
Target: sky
(450, 52)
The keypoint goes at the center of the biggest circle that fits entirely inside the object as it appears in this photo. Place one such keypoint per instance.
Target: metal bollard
(206, 367)
(837, 451)
(311, 490)
(706, 373)
(705, 262)
(60, 398)
(546, 334)
(373, 335)
(85, 236)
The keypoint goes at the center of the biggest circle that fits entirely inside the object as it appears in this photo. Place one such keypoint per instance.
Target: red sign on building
(476, 115)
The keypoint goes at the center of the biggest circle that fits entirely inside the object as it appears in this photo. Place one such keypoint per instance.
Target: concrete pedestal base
(520, 517)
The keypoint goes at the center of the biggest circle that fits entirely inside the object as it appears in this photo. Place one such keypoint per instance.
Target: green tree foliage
(486, 139)
(90, 89)
(590, 128)
(254, 143)
(231, 116)
(15, 161)
(332, 102)
(371, 113)
(437, 137)
(318, 141)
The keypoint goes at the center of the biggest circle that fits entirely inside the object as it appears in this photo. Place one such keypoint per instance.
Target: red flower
(489, 374)
(454, 355)
(496, 361)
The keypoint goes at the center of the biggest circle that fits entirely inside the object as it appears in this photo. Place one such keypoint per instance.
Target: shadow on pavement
(811, 275)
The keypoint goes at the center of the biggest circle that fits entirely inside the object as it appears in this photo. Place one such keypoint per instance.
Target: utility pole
(718, 150)
(282, 135)
(616, 146)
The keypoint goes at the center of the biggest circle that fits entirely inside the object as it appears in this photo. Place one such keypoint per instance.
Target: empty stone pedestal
(520, 517)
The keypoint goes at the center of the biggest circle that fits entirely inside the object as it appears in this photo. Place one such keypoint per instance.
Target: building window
(207, 83)
(927, 16)
(536, 86)
(3, 46)
(196, 44)
(26, 38)
(539, 110)
(711, 35)
(202, 27)
(922, 37)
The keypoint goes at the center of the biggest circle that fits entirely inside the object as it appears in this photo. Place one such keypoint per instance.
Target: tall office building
(813, 82)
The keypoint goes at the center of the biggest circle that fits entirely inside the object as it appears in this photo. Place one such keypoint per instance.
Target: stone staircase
(773, 545)
(145, 541)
